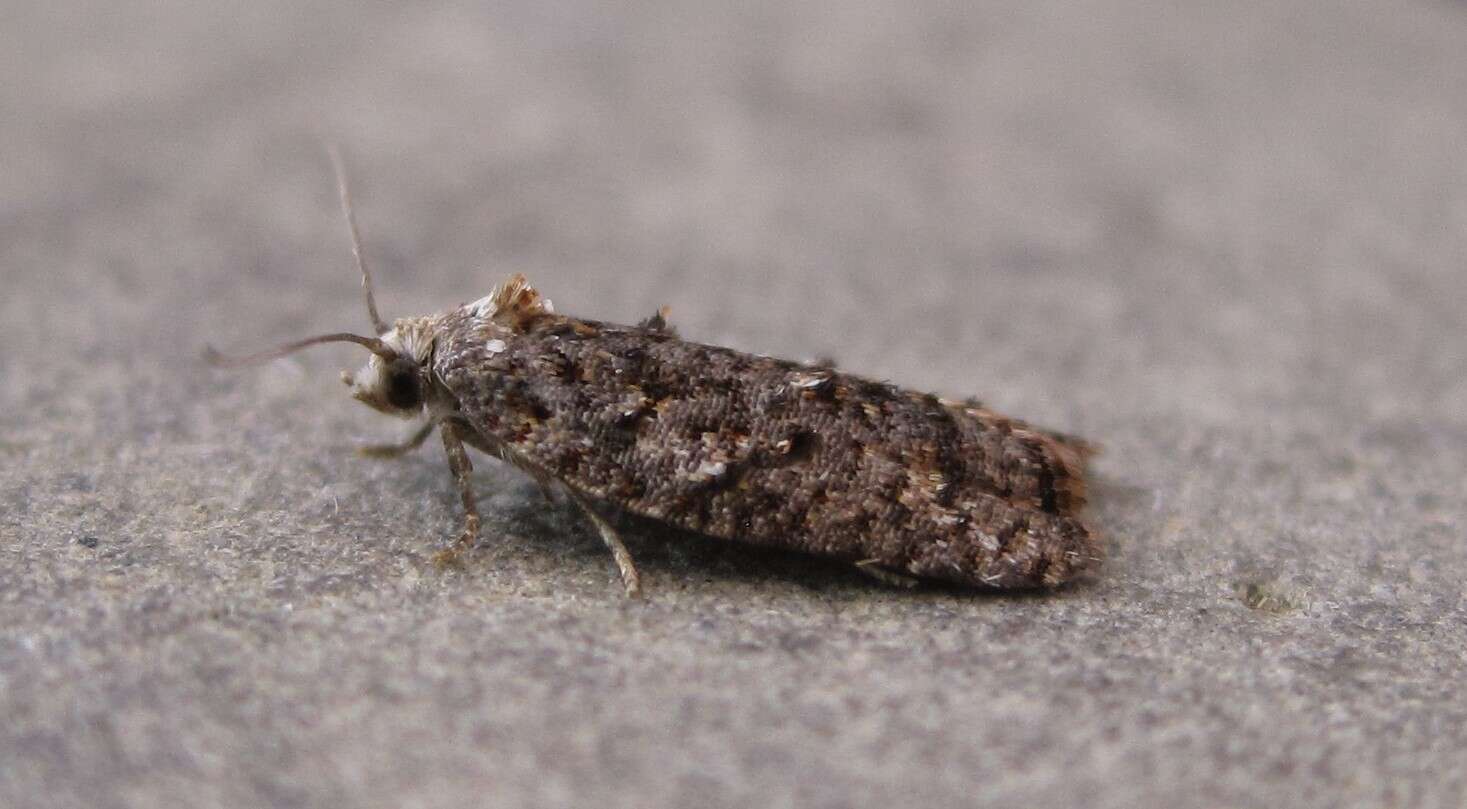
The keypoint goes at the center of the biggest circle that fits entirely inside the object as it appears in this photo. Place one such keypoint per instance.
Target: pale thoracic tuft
(513, 302)
(412, 337)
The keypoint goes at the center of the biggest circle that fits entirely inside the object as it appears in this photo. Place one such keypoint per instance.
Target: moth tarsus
(903, 485)
(624, 565)
(873, 568)
(463, 470)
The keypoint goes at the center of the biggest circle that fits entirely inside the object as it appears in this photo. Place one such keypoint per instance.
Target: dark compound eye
(403, 389)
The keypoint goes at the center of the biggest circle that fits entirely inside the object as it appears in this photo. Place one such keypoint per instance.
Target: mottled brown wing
(770, 452)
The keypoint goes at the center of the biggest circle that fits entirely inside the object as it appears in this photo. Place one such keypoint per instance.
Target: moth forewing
(764, 451)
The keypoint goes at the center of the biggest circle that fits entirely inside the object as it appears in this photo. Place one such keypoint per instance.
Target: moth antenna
(372, 344)
(344, 191)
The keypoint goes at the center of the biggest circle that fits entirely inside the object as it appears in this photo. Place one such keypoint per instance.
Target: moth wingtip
(1072, 450)
(1073, 558)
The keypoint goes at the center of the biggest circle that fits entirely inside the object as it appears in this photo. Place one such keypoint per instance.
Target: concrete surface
(1228, 241)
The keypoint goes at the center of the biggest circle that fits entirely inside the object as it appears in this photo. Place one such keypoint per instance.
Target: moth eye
(402, 390)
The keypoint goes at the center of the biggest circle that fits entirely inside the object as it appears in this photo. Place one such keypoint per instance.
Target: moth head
(394, 388)
(396, 383)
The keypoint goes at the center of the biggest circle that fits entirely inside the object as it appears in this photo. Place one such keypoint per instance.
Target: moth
(743, 447)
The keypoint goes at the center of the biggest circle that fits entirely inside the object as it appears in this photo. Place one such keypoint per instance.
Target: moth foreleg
(385, 451)
(463, 470)
(619, 552)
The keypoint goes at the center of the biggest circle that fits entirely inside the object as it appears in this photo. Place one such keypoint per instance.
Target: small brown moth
(736, 446)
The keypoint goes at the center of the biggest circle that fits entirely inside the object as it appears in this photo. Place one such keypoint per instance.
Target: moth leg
(874, 569)
(545, 485)
(458, 461)
(542, 481)
(629, 577)
(384, 451)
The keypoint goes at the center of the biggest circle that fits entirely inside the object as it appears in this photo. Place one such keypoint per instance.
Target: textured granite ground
(1229, 241)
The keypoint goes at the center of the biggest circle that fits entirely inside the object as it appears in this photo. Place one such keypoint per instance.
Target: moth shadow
(689, 555)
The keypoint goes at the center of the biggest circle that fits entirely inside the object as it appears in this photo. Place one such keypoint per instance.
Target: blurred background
(1226, 241)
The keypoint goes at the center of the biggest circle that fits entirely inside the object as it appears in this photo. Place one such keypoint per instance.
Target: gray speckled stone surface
(1228, 243)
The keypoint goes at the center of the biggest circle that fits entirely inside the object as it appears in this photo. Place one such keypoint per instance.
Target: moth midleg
(463, 470)
(619, 551)
(400, 449)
